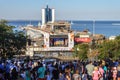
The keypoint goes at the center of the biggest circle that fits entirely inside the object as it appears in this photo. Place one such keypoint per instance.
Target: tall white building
(48, 15)
(53, 39)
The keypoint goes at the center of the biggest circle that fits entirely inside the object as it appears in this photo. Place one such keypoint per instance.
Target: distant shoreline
(65, 20)
(101, 27)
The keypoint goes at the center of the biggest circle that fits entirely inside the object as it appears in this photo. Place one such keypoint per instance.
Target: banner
(83, 40)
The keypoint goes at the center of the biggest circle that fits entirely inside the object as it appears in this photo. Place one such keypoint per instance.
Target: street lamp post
(77, 52)
(93, 40)
(93, 28)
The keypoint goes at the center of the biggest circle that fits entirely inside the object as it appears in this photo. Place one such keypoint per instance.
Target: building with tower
(52, 38)
(48, 15)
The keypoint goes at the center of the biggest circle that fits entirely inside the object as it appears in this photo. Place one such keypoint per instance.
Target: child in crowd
(96, 74)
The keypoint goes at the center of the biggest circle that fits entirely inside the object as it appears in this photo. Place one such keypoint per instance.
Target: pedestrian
(14, 74)
(118, 72)
(90, 68)
(55, 73)
(96, 74)
(48, 76)
(27, 74)
(101, 71)
(67, 76)
(84, 75)
(114, 73)
(41, 72)
(76, 75)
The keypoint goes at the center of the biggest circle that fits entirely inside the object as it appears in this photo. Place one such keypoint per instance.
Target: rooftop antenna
(47, 6)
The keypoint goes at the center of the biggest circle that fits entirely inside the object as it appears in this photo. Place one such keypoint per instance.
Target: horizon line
(62, 19)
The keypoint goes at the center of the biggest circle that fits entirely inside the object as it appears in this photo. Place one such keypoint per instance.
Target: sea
(106, 28)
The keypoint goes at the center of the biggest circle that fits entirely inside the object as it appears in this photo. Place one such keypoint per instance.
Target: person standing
(114, 73)
(14, 74)
(55, 73)
(96, 74)
(48, 76)
(27, 74)
(101, 71)
(67, 76)
(41, 72)
(90, 68)
(76, 75)
(84, 75)
(118, 72)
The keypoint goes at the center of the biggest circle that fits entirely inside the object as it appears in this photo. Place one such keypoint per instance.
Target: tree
(4, 31)
(12, 42)
(110, 49)
(118, 37)
(106, 49)
(81, 51)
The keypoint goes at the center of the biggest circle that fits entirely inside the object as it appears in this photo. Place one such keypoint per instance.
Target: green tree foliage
(106, 49)
(11, 42)
(81, 51)
(118, 37)
(110, 48)
(4, 28)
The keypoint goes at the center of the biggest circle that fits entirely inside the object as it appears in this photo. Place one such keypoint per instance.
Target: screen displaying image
(58, 42)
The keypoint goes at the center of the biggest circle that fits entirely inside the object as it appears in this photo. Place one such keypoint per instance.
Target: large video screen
(58, 41)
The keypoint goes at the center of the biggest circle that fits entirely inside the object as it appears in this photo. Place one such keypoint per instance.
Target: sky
(64, 9)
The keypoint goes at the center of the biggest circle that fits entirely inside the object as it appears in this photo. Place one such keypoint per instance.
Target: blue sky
(65, 9)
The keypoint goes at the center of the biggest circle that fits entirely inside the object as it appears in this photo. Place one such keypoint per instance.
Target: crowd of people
(59, 70)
